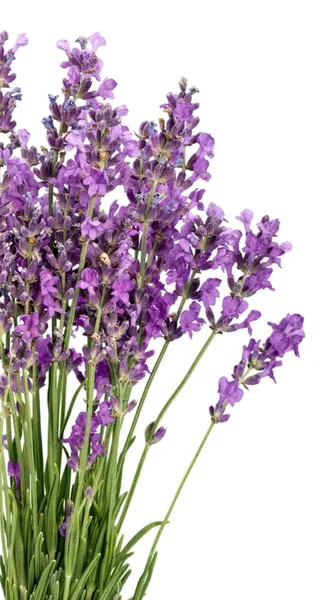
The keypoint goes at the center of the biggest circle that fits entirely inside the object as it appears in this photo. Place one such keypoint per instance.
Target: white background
(255, 520)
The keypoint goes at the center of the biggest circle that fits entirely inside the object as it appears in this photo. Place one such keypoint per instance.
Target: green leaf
(116, 576)
(134, 540)
(40, 591)
(78, 587)
(80, 559)
(149, 574)
(38, 556)
(23, 593)
(56, 591)
(65, 483)
(51, 522)
(119, 504)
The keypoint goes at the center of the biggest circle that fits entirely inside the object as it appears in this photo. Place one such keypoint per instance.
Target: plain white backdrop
(255, 519)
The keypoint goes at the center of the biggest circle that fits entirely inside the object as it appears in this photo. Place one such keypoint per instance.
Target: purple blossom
(286, 336)
(121, 289)
(209, 293)
(190, 320)
(89, 280)
(229, 391)
(29, 328)
(68, 511)
(206, 143)
(92, 229)
(14, 471)
(106, 87)
(184, 110)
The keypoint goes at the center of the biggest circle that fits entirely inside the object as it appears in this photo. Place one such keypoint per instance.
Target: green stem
(145, 236)
(141, 583)
(156, 423)
(31, 458)
(70, 408)
(36, 427)
(184, 380)
(140, 405)
(69, 326)
(53, 409)
(150, 381)
(3, 489)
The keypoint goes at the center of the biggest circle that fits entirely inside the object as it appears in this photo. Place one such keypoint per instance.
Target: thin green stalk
(16, 432)
(142, 580)
(53, 408)
(141, 403)
(37, 429)
(156, 423)
(3, 489)
(71, 316)
(150, 381)
(145, 236)
(71, 548)
(111, 496)
(184, 380)
(70, 408)
(31, 458)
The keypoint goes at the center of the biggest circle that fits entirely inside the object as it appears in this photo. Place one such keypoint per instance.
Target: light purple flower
(121, 289)
(206, 145)
(190, 320)
(96, 41)
(92, 229)
(106, 87)
(229, 391)
(89, 280)
(29, 327)
(209, 293)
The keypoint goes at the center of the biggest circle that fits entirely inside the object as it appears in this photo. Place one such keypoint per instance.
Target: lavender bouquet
(87, 286)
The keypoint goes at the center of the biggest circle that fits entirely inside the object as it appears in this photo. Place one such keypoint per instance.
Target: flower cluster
(76, 263)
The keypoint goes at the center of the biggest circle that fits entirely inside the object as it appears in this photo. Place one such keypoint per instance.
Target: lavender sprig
(87, 286)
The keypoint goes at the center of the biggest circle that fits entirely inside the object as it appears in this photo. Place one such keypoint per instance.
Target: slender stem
(156, 423)
(69, 326)
(3, 487)
(53, 409)
(145, 236)
(141, 403)
(31, 458)
(150, 381)
(111, 496)
(70, 408)
(138, 591)
(83, 255)
(184, 380)
(37, 431)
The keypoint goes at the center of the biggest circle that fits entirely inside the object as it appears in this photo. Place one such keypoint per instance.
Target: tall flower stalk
(87, 285)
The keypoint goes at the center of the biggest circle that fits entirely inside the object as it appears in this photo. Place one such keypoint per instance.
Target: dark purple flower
(68, 511)
(14, 471)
